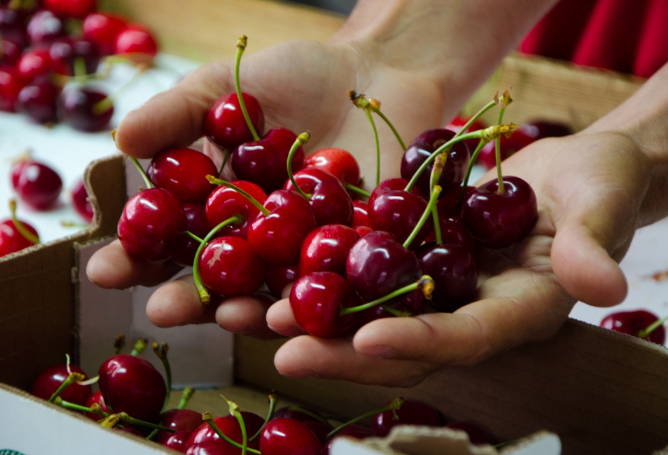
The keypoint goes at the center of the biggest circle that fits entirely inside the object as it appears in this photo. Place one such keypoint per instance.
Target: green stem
(425, 283)
(125, 418)
(139, 346)
(76, 407)
(193, 236)
(152, 434)
(356, 189)
(397, 313)
(147, 180)
(423, 219)
(160, 351)
(301, 139)
(394, 130)
(201, 290)
(465, 183)
(208, 418)
(437, 225)
(254, 201)
(23, 230)
(313, 415)
(71, 379)
(478, 114)
(234, 410)
(273, 401)
(497, 152)
(185, 397)
(375, 137)
(655, 325)
(241, 46)
(226, 156)
(393, 406)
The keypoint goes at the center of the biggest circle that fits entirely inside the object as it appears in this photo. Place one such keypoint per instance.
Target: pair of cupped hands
(589, 187)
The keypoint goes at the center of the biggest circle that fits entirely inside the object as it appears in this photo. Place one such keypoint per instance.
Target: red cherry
(540, 129)
(136, 43)
(288, 437)
(11, 84)
(362, 230)
(38, 100)
(632, 322)
(498, 220)
(230, 428)
(210, 448)
(150, 223)
(509, 145)
(98, 399)
(36, 184)
(326, 249)
(477, 435)
(185, 247)
(45, 27)
(411, 413)
(457, 123)
(102, 28)
(11, 240)
(12, 28)
(224, 122)
(83, 110)
(10, 52)
(329, 200)
(361, 214)
(278, 277)
(183, 171)
(225, 202)
(452, 229)
(278, 237)
(263, 162)
(35, 62)
(77, 9)
(50, 379)
(80, 200)
(319, 429)
(131, 384)
(338, 162)
(448, 203)
(177, 441)
(65, 53)
(229, 267)
(178, 420)
(295, 414)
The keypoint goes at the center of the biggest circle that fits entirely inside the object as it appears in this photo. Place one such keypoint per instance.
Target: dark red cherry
(477, 435)
(354, 430)
(316, 301)
(80, 200)
(77, 9)
(98, 399)
(36, 184)
(67, 52)
(509, 145)
(540, 129)
(326, 249)
(452, 229)
(362, 230)
(211, 448)
(12, 28)
(131, 384)
(498, 220)
(338, 162)
(230, 427)
(632, 322)
(411, 413)
(278, 277)
(85, 109)
(10, 52)
(290, 413)
(329, 200)
(319, 429)
(11, 84)
(11, 240)
(229, 267)
(45, 27)
(278, 237)
(131, 430)
(360, 214)
(39, 100)
(177, 441)
(102, 28)
(34, 62)
(136, 43)
(50, 379)
(183, 171)
(225, 202)
(151, 221)
(224, 122)
(185, 247)
(454, 272)
(288, 437)
(422, 147)
(457, 123)
(264, 162)
(448, 203)
(178, 420)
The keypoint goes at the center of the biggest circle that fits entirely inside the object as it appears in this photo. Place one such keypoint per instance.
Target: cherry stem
(193, 236)
(139, 346)
(425, 283)
(393, 406)
(160, 351)
(497, 153)
(23, 230)
(375, 137)
(356, 189)
(423, 219)
(125, 418)
(226, 156)
(254, 201)
(375, 107)
(437, 225)
(465, 183)
(208, 418)
(234, 410)
(147, 180)
(70, 223)
(478, 114)
(313, 415)
(397, 313)
(437, 170)
(77, 407)
(301, 139)
(185, 397)
(241, 46)
(204, 296)
(273, 401)
(119, 343)
(71, 379)
(651, 328)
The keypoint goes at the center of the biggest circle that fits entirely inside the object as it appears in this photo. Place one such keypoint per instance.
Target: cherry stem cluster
(425, 284)
(241, 46)
(301, 140)
(71, 379)
(394, 406)
(160, 351)
(360, 101)
(253, 201)
(477, 115)
(431, 206)
(273, 401)
(23, 230)
(467, 176)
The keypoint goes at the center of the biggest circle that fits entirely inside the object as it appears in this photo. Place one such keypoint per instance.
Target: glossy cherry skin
(50, 379)
(361, 214)
(11, 240)
(329, 200)
(185, 247)
(540, 129)
(230, 427)
(77, 108)
(477, 435)
(45, 27)
(378, 264)
(211, 448)
(77, 9)
(131, 384)
(80, 200)
(448, 202)
(65, 52)
(11, 26)
(183, 171)
(288, 413)
(178, 420)
(288, 437)
(632, 322)
(33, 63)
(224, 122)
(452, 230)
(11, 84)
(278, 237)
(499, 220)
(96, 398)
(38, 100)
(422, 147)
(454, 272)
(151, 221)
(102, 28)
(458, 123)
(316, 301)
(10, 52)
(36, 184)
(229, 267)
(338, 162)
(508, 145)
(225, 202)
(136, 43)
(177, 441)
(326, 249)
(411, 413)
(263, 162)
(319, 429)
(278, 277)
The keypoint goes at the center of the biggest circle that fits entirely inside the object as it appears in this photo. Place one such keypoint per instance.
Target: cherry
(316, 301)
(457, 123)
(498, 220)
(150, 223)
(45, 27)
(11, 27)
(328, 198)
(229, 426)
(77, 9)
(326, 249)
(447, 204)
(509, 145)
(80, 200)
(422, 147)
(452, 229)
(83, 110)
(66, 53)
(36, 184)
(295, 414)
(633, 322)
(136, 43)
(10, 52)
(361, 214)
(33, 63)
(338, 162)
(185, 247)
(319, 429)
(224, 122)
(263, 162)
(225, 202)
(38, 100)
(477, 435)
(51, 379)
(177, 441)
(229, 267)
(11, 84)
(183, 171)
(288, 437)
(131, 384)
(454, 271)
(362, 230)
(98, 399)
(277, 278)
(102, 28)
(178, 420)
(11, 240)
(278, 236)
(410, 413)
(210, 448)
(540, 129)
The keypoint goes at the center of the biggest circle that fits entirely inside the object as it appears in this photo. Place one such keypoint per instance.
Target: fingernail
(302, 374)
(378, 351)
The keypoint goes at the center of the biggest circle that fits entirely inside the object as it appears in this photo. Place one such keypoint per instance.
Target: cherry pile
(638, 323)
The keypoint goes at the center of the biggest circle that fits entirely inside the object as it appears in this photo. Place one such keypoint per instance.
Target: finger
(112, 268)
(307, 356)
(177, 303)
(246, 315)
(281, 319)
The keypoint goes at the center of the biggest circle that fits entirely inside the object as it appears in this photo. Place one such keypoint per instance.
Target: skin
(594, 189)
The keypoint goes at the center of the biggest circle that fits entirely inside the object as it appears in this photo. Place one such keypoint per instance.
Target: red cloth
(653, 46)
